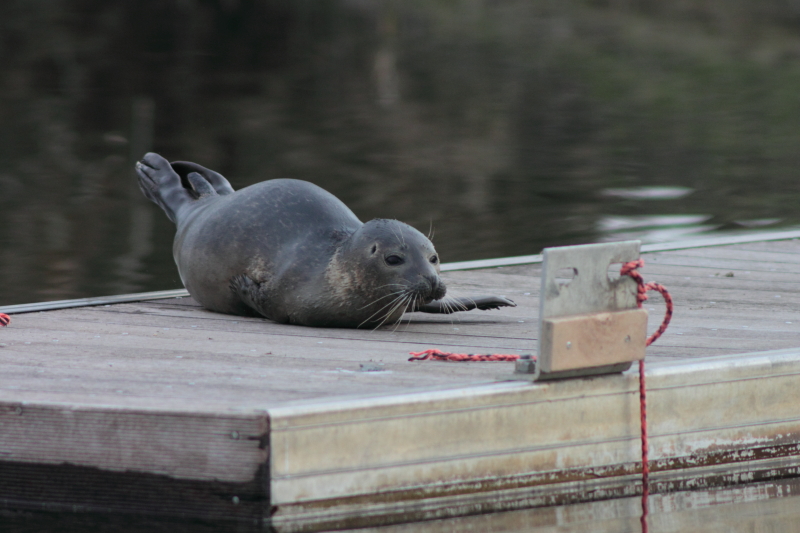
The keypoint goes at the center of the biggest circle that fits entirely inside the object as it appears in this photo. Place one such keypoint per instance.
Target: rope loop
(4, 320)
(629, 269)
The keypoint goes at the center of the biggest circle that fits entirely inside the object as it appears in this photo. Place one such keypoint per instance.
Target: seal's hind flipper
(163, 186)
(200, 186)
(217, 180)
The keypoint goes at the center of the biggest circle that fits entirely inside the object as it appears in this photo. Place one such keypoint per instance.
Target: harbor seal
(291, 252)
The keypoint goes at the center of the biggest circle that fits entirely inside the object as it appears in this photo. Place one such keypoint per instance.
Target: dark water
(757, 507)
(507, 125)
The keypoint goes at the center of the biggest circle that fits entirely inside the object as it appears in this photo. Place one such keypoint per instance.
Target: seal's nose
(438, 288)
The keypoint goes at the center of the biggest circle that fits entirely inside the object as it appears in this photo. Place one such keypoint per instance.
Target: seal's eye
(394, 260)
(434, 259)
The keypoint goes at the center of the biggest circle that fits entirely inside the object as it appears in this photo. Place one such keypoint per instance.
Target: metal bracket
(526, 368)
(589, 324)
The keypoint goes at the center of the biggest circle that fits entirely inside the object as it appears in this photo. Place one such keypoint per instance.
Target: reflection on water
(653, 228)
(773, 507)
(507, 125)
(758, 223)
(769, 507)
(649, 193)
(610, 224)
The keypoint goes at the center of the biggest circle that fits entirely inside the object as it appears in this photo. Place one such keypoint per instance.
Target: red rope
(645, 447)
(4, 319)
(439, 355)
(629, 269)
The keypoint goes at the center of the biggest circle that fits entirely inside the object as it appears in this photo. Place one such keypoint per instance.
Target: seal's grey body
(294, 253)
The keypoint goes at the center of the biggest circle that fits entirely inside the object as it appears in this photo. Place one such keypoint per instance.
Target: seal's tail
(172, 187)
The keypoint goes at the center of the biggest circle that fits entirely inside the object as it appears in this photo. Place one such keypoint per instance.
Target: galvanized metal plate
(590, 290)
(577, 282)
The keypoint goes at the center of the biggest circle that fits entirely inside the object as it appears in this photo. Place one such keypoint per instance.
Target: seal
(291, 252)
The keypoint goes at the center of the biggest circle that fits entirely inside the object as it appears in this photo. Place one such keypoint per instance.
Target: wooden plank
(183, 365)
(785, 247)
(732, 265)
(237, 337)
(116, 439)
(599, 339)
(707, 242)
(725, 254)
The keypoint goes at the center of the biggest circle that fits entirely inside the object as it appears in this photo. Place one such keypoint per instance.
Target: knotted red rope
(4, 319)
(629, 269)
(439, 355)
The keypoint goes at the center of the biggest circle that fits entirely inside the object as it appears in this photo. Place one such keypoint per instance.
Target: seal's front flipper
(217, 180)
(452, 305)
(491, 302)
(163, 186)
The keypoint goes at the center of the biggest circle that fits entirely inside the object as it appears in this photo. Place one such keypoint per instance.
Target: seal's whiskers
(402, 301)
(409, 303)
(400, 320)
(400, 295)
(376, 300)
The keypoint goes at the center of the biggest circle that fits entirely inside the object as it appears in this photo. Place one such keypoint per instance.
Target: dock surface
(146, 386)
(172, 352)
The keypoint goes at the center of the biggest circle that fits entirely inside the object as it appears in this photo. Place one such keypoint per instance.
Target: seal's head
(398, 269)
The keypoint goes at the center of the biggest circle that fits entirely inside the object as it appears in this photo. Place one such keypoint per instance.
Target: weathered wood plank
(787, 246)
(733, 265)
(724, 254)
(115, 439)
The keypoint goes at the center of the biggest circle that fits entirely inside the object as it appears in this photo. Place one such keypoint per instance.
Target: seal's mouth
(428, 289)
(439, 292)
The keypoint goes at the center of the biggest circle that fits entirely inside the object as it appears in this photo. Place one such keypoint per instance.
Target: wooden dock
(151, 405)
